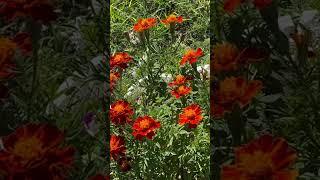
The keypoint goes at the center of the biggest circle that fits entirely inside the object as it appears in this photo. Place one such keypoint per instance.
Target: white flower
(166, 77)
(286, 25)
(308, 17)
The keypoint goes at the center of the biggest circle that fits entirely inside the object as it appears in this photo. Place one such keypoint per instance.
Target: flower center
(119, 108)
(144, 124)
(190, 113)
(28, 148)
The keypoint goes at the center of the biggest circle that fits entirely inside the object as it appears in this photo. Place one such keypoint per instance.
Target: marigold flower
(23, 41)
(145, 126)
(114, 76)
(39, 10)
(191, 115)
(117, 147)
(260, 4)
(172, 19)
(191, 56)
(181, 91)
(225, 57)
(144, 24)
(231, 5)
(7, 52)
(100, 177)
(263, 158)
(33, 151)
(120, 59)
(180, 80)
(234, 91)
(120, 112)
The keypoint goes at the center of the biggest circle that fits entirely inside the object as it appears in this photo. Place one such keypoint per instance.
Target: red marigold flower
(172, 19)
(34, 151)
(191, 115)
(144, 127)
(263, 158)
(120, 59)
(100, 177)
(260, 4)
(225, 57)
(117, 147)
(232, 91)
(23, 41)
(120, 112)
(180, 79)
(7, 52)
(191, 56)
(181, 91)
(114, 76)
(39, 10)
(144, 24)
(231, 5)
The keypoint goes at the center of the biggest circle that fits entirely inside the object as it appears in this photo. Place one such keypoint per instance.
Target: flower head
(145, 126)
(34, 151)
(38, 10)
(180, 91)
(180, 80)
(117, 147)
(7, 52)
(120, 112)
(191, 115)
(172, 19)
(263, 158)
(120, 59)
(191, 56)
(114, 77)
(225, 57)
(231, 5)
(234, 91)
(144, 24)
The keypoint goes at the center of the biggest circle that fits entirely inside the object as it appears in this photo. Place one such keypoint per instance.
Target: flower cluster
(180, 86)
(34, 151)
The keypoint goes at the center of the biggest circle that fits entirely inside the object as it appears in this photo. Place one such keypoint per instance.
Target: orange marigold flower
(39, 10)
(120, 112)
(263, 158)
(260, 4)
(225, 57)
(231, 5)
(181, 91)
(114, 77)
(145, 126)
(144, 24)
(120, 59)
(234, 91)
(117, 147)
(7, 52)
(100, 177)
(172, 19)
(34, 151)
(180, 79)
(23, 41)
(191, 56)
(191, 115)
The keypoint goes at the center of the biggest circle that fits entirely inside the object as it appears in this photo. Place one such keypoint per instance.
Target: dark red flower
(191, 56)
(260, 4)
(34, 151)
(120, 59)
(120, 112)
(100, 177)
(263, 158)
(39, 10)
(191, 115)
(145, 126)
(117, 147)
